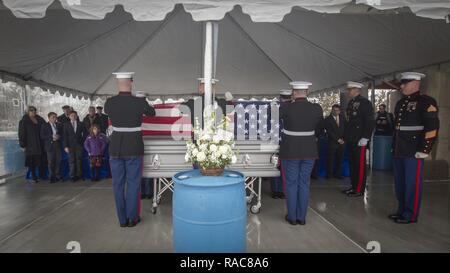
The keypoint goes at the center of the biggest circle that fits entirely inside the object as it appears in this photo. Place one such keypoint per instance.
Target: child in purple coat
(95, 145)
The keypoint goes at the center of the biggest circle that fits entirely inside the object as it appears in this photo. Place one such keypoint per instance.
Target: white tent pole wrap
(208, 66)
(215, 45)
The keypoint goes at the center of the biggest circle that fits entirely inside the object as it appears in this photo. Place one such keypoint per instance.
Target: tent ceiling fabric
(253, 58)
(202, 10)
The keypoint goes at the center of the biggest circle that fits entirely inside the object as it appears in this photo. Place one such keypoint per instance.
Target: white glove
(363, 142)
(420, 155)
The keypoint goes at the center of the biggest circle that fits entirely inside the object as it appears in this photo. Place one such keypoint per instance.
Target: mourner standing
(126, 147)
(51, 133)
(335, 126)
(277, 182)
(416, 130)
(74, 135)
(103, 119)
(91, 118)
(95, 145)
(30, 141)
(358, 132)
(64, 117)
(302, 121)
(384, 122)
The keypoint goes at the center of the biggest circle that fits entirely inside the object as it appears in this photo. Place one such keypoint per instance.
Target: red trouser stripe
(140, 192)
(416, 195)
(361, 168)
(283, 179)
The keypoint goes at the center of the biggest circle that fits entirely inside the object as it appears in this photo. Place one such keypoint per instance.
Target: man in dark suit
(335, 126)
(64, 117)
(91, 118)
(74, 135)
(103, 119)
(51, 133)
(384, 122)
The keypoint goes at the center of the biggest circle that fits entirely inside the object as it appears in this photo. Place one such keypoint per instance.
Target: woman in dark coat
(30, 142)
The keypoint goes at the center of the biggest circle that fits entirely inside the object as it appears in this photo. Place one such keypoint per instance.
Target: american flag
(255, 120)
(250, 120)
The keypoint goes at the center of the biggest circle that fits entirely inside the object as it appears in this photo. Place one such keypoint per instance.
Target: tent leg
(208, 67)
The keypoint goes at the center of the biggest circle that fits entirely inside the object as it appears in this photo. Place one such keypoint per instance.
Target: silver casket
(256, 158)
(164, 157)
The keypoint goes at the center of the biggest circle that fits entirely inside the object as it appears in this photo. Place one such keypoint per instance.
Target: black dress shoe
(314, 177)
(394, 216)
(340, 177)
(275, 195)
(289, 221)
(402, 220)
(300, 222)
(355, 194)
(281, 195)
(132, 223)
(53, 180)
(347, 191)
(150, 196)
(124, 225)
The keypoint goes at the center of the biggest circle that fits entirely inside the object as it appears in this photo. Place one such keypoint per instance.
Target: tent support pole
(371, 143)
(207, 68)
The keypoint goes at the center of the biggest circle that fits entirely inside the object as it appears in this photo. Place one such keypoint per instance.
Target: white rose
(223, 149)
(213, 148)
(203, 147)
(233, 159)
(201, 157)
(194, 152)
(186, 158)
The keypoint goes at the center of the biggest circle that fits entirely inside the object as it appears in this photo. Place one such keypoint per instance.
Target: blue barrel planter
(382, 155)
(13, 156)
(209, 212)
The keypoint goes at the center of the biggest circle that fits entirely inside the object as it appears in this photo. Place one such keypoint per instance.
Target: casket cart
(164, 157)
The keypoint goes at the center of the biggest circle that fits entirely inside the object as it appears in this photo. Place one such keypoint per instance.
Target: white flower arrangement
(213, 147)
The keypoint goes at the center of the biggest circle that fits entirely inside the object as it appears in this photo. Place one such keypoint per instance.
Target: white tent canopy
(253, 58)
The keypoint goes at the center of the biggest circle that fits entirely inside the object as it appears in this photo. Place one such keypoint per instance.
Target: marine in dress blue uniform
(196, 105)
(416, 129)
(358, 132)
(302, 123)
(126, 148)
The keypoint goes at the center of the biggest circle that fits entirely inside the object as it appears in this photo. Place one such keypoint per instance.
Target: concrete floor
(44, 218)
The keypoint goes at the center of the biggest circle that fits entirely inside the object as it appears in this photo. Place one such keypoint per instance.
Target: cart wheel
(158, 201)
(255, 209)
(154, 209)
